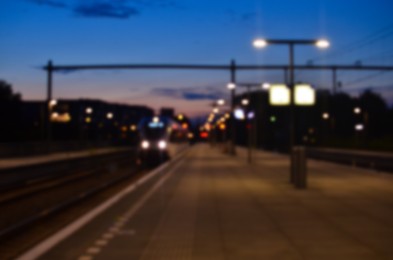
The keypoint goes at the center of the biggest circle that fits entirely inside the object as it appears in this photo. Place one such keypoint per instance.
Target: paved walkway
(214, 206)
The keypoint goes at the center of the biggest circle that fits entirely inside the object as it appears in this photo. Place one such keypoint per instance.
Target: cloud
(117, 9)
(109, 9)
(190, 93)
(51, 3)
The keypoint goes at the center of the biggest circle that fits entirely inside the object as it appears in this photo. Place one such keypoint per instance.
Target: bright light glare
(53, 102)
(145, 144)
(220, 102)
(304, 95)
(239, 114)
(357, 110)
(325, 115)
(279, 95)
(266, 86)
(162, 145)
(216, 110)
(231, 86)
(323, 44)
(245, 102)
(260, 43)
(109, 115)
(89, 110)
(359, 127)
(156, 119)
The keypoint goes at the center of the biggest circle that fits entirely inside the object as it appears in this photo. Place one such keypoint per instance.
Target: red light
(203, 134)
(174, 126)
(184, 126)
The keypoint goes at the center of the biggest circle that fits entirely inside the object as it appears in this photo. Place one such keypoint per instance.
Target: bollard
(301, 168)
(293, 166)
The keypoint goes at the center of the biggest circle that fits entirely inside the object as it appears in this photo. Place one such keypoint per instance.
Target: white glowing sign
(279, 95)
(304, 95)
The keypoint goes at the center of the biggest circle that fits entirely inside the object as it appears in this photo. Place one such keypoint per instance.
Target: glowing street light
(109, 115)
(52, 103)
(266, 86)
(260, 43)
(245, 102)
(359, 127)
(357, 110)
(89, 110)
(231, 85)
(325, 116)
(221, 102)
(320, 43)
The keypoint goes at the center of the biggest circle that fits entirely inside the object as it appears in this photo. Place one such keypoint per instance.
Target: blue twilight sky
(187, 31)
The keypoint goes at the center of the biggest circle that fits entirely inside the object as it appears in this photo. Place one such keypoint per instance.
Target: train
(156, 135)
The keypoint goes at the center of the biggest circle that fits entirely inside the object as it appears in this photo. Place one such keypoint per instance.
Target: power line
(379, 35)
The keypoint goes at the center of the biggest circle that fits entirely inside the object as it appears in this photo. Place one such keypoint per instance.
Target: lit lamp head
(266, 86)
(259, 43)
(220, 102)
(359, 127)
(231, 85)
(322, 43)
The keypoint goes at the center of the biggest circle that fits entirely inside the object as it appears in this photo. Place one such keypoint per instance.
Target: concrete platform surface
(209, 205)
(9, 163)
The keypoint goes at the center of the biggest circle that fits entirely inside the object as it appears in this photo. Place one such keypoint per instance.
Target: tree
(6, 93)
(375, 113)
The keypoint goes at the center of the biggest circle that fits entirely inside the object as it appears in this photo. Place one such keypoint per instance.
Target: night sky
(192, 32)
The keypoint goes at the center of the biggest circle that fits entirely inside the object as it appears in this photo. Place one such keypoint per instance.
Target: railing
(380, 161)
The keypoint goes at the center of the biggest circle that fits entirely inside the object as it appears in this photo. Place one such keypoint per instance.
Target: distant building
(167, 112)
(81, 120)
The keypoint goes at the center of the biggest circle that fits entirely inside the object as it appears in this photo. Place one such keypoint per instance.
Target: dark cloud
(199, 96)
(117, 9)
(110, 9)
(190, 93)
(51, 3)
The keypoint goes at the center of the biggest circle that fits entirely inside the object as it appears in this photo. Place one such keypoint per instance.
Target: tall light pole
(320, 43)
(231, 86)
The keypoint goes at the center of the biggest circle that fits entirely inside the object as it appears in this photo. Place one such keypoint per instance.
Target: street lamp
(357, 110)
(266, 86)
(320, 43)
(245, 102)
(231, 86)
(221, 102)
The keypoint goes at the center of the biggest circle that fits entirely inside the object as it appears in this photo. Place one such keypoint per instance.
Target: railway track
(30, 201)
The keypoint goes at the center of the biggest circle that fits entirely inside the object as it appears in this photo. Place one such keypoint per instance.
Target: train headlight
(145, 144)
(162, 145)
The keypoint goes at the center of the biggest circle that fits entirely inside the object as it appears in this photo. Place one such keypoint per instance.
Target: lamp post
(320, 43)
(231, 86)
